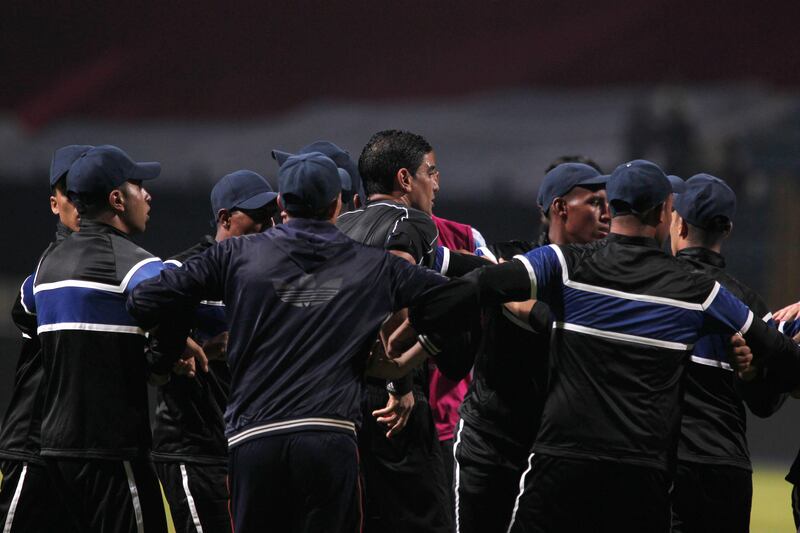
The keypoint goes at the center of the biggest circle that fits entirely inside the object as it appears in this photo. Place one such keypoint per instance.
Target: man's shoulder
(739, 289)
(204, 244)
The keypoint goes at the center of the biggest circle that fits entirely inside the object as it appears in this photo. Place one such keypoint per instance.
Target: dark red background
(200, 60)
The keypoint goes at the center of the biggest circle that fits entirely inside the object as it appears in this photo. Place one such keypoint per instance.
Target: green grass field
(772, 511)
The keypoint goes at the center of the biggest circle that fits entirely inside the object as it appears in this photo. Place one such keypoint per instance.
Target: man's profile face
(137, 206)
(61, 206)
(425, 184)
(663, 228)
(252, 221)
(588, 218)
(675, 231)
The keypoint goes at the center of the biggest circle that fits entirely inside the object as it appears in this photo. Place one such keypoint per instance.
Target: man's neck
(717, 248)
(111, 219)
(556, 234)
(629, 226)
(397, 196)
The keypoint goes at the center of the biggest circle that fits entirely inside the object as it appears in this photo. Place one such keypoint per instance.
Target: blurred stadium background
(499, 89)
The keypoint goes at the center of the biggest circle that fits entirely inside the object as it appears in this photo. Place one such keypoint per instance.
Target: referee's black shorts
(304, 482)
(29, 502)
(563, 495)
(711, 499)
(405, 484)
(197, 495)
(487, 479)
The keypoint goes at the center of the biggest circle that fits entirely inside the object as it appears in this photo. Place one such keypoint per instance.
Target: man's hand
(790, 312)
(401, 340)
(216, 348)
(521, 310)
(741, 358)
(381, 366)
(396, 413)
(193, 355)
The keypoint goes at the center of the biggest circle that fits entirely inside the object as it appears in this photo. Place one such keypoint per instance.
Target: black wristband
(400, 387)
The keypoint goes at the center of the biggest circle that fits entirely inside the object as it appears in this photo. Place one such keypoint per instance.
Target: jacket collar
(649, 242)
(62, 231)
(93, 226)
(704, 255)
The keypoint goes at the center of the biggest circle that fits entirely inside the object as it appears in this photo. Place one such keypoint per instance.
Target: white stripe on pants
(190, 499)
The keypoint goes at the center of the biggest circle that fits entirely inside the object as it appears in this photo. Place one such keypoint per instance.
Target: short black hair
(620, 208)
(89, 204)
(92, 204)
(387, 152)
(573, 159)
(711, 235)
(298, 210)
(60, 185)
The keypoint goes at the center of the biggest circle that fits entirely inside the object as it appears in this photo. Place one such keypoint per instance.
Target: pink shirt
(446, 395)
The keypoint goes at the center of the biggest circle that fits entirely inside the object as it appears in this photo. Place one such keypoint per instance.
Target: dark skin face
(61, 206)
(134, 206)
(580, 216)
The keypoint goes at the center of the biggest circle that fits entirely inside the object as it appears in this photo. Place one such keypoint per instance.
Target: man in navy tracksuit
(304, 304)
(190, 450)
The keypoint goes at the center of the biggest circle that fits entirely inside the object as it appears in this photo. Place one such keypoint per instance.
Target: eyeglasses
(432, 170)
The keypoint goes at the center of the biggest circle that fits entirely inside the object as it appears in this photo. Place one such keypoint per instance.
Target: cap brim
(259, 200)
(146, 171)
(55, 177)
(678, 185)
(280, 156)
(597, 180)
(344, 178)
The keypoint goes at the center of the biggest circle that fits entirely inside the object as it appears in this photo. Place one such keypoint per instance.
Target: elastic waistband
(287, 426)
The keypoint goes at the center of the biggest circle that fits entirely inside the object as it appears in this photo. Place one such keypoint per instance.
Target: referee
(626, 316)
(301, 326)
(405, 483)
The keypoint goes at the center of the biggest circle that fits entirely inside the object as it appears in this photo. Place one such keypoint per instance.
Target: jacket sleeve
(168, 302)
(448, 307)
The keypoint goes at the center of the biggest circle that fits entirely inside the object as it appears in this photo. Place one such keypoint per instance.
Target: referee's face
(425, 184)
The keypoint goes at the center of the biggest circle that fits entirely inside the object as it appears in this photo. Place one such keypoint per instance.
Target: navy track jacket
(93, 351)
(304, 303)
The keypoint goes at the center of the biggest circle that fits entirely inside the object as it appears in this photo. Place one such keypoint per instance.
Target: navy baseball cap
(638, 186)
(350, 183)
(678, 185)
(243, 189)
(565, 177)
(63, 159)
(705, 198)
(309, 181)
(105, 167)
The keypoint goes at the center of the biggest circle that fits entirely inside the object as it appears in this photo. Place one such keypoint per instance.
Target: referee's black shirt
(627, 316)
